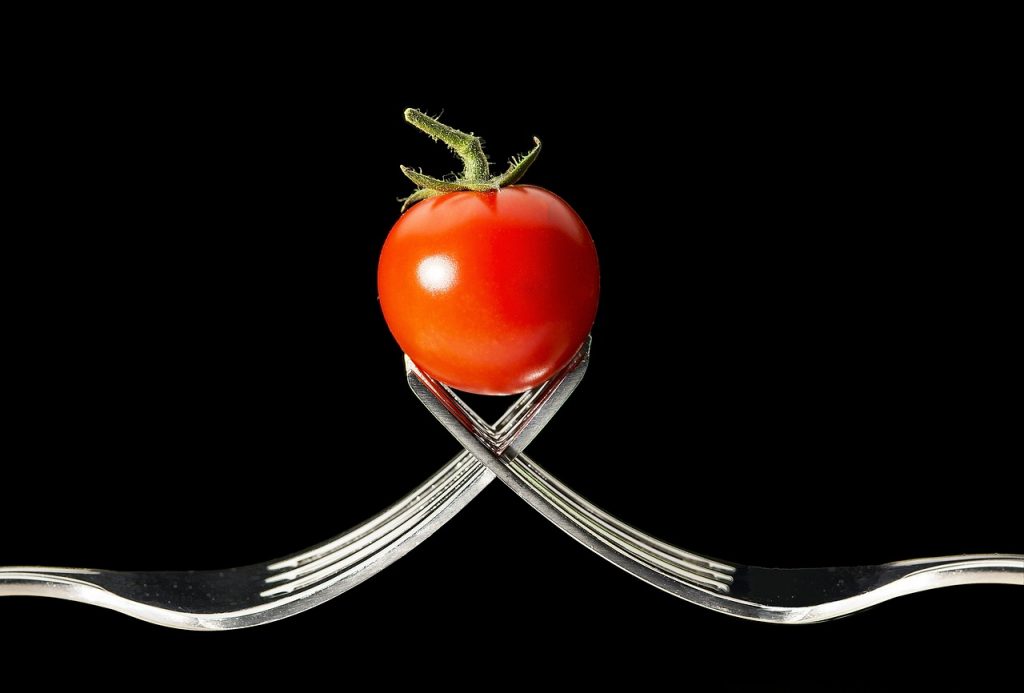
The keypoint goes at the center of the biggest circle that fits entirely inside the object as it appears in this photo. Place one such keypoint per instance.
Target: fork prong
(635, 544)
(532, 410)
(334, 566)
(331, 559)
(374, 523)
(626, 529)
(347, 540)
(630, 549)
(389, 528)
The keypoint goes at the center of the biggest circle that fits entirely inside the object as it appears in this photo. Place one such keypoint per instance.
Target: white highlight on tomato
(437, 273)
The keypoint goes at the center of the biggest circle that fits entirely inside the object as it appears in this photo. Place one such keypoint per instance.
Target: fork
(807, 595)
(265, 592)
(262, 593)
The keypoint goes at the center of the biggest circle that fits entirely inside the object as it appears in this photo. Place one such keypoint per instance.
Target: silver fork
(253, 595)
(763, 594)
(266, 592)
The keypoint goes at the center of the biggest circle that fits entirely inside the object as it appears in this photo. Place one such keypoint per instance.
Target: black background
(804, 350)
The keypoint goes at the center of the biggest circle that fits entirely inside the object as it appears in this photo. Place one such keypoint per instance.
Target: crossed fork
(258, 594)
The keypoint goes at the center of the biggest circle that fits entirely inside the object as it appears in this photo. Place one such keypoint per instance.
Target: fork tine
(323, 563)
(512, 414)
(695, 572)
(372, 524)
(384, 532)
(529, 409)
(357, 559)
(632, 550)
(621, 526)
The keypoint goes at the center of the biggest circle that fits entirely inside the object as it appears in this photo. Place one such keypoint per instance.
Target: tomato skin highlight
(491, 293)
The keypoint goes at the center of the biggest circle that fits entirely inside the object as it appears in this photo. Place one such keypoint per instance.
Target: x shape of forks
(257, 594)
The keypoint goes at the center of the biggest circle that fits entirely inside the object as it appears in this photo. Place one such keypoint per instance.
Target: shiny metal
(262, 593)
(761, 594)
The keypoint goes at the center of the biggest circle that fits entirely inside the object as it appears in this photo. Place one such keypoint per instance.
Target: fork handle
(968, 569)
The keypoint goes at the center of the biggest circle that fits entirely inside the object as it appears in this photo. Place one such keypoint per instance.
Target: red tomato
(490, 292)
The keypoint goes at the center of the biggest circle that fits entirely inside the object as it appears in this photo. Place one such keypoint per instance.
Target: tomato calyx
(476, 171)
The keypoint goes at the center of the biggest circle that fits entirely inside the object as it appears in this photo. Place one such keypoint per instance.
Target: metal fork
(762, 594)
(253, 595)
(266, 592)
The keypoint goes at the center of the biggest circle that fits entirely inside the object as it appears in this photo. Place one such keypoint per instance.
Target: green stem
(442, 186)
(476, 174)
(517, 167)
(475, 168)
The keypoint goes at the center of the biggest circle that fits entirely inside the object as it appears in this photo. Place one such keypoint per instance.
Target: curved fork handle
(763, 594)
(969, 569)
(35, 581)
(919, 575)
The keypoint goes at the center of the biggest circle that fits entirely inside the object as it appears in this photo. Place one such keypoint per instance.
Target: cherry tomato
(490, 292)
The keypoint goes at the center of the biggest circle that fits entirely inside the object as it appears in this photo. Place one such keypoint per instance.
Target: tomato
(490, 292)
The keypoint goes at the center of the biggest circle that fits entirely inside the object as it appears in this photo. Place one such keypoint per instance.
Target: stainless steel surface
(258, 594)
(762, 594)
